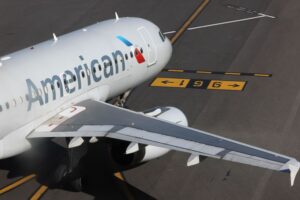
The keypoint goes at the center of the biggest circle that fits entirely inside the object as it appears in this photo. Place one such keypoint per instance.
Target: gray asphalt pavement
(265, 114)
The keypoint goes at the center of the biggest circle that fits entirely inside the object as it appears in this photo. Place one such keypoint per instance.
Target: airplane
(60, 88)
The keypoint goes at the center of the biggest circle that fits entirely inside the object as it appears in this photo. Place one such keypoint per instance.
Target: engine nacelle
(146, 153)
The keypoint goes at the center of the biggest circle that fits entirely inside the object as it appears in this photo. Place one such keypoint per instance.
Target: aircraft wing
(99, 119)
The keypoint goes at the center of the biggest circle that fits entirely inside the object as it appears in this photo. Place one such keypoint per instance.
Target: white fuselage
(98, 62)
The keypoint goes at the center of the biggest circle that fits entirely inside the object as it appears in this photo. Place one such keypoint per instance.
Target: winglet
(293, 167)
(117, 16)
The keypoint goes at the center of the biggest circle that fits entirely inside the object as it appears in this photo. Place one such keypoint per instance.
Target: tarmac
(242, 37)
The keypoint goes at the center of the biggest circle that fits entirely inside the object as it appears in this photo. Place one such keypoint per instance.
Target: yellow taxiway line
(189, 21)
(39, 193)
(16, 184)
(119, 176)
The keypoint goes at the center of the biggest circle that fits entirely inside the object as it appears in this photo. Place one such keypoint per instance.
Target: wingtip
(292, 167)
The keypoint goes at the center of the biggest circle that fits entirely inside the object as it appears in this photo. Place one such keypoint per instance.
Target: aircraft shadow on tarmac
(98, 179)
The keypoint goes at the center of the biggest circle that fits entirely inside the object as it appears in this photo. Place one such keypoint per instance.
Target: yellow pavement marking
(263, 75)
(226, 85)
(16, 184)
(189, 21)
(218, 72)
(233, 73)
(170, 82)
(203, 72)
(39, 193)
(175, 70)
(119, 176)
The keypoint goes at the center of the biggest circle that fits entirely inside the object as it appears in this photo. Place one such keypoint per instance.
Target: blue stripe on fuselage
(125, 41)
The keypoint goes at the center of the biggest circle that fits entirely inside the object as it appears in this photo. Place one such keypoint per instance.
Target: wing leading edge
(99, 119)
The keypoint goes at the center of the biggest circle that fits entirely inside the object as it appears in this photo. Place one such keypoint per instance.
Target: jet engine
(146, 152)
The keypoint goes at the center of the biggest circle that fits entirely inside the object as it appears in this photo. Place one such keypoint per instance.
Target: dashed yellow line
(16, 184)
(202, 72)
(175, 70)
(39, 193)
(217, 72)
(262, 75)
(233, 73)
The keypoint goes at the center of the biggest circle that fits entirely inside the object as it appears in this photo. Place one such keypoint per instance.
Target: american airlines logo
(71, 80)
(137, 53)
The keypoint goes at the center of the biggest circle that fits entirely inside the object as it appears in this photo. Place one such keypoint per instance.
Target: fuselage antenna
(117, 16)
(54, 37)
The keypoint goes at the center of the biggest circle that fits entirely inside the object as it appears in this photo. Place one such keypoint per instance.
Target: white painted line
(269, 16)
(260, 15)
(228, 22)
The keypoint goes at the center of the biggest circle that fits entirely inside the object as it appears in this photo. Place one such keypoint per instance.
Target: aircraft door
(150, 45)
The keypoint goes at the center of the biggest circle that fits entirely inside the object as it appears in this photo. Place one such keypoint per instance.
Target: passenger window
(74, 78)
(142, 51)
(131, 54)
(126, 56)
(82, 74)
(99, 67)
(14, 102)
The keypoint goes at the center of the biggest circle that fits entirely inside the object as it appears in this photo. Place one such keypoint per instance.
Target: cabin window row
(11, 104)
